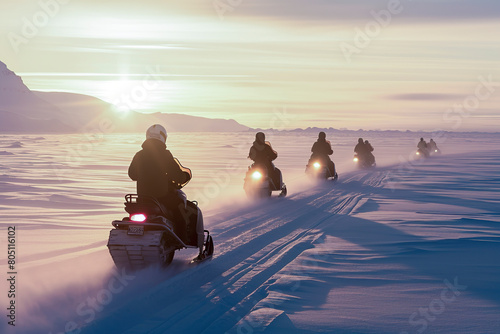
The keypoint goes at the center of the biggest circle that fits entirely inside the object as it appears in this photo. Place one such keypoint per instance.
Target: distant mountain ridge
(344, 131)
(25, 111)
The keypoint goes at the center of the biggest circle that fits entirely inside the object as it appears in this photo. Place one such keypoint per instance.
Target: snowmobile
(146, 237)
(259, 184)
(318, 169)
(422, 153)
(435, 151)
(364, 161)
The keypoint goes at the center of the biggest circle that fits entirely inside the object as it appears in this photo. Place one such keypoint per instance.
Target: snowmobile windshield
(186, 170)
(269, 144)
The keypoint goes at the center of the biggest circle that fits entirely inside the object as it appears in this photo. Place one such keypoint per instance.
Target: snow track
(362, 255)
(250, 250)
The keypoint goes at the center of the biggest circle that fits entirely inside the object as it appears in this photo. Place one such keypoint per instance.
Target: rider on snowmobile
(321, 150)
(360, 149)
(160, 175)
(423, 147)
(369, 154)
(433, 146)
(263, 154)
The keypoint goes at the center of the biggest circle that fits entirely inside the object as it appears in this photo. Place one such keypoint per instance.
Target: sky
(366, 64)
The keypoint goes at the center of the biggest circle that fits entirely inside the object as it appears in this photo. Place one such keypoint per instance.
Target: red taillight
(138, 217)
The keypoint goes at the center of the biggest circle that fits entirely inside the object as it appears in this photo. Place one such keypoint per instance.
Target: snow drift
(405, 248)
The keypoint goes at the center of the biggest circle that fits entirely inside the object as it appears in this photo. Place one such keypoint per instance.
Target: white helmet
(157, 132)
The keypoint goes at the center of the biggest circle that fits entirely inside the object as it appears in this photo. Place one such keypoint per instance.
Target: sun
(122, 95)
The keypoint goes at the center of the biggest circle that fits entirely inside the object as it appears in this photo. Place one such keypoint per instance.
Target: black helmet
(421, 139)
(360, 140)
(322, 135)
(260, 137)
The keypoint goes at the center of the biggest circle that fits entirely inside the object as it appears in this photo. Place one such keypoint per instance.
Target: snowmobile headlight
(316, 165)
(138, 217)
(418, 153)
(435, 151)
(256, 175)
(355, 159)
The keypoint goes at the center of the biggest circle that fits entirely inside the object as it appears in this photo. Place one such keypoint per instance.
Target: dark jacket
(156, 171)
(361, 149)
(322, 148)
(262, 153)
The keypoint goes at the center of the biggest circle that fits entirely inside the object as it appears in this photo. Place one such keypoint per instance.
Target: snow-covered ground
(408, 247)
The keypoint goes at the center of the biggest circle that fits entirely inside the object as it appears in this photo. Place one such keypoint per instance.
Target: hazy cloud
(360, 9)
(425, 97)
